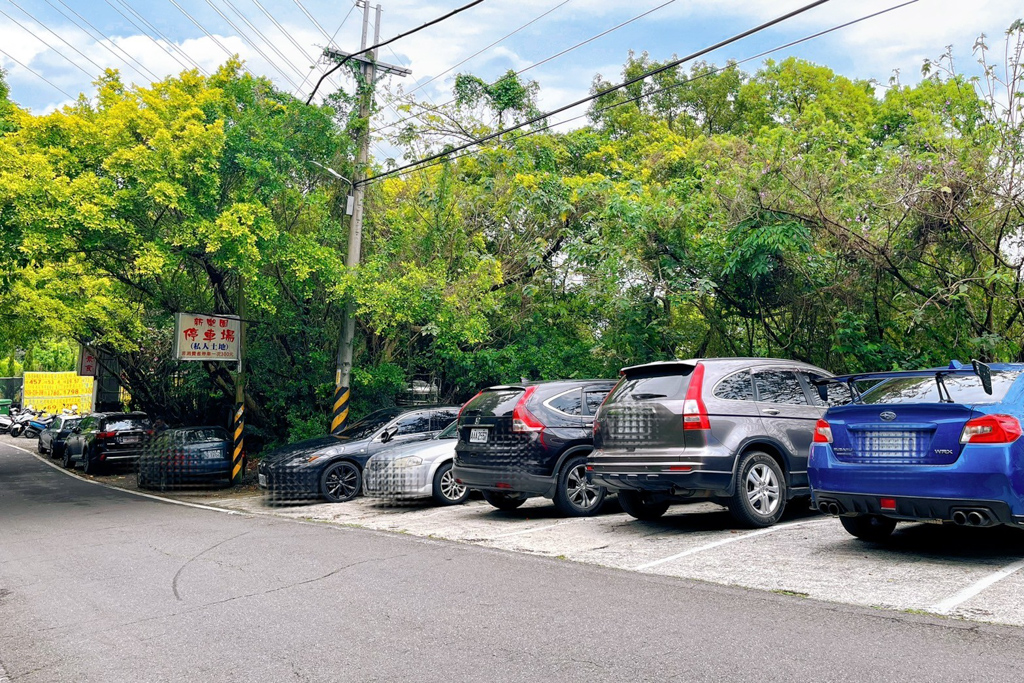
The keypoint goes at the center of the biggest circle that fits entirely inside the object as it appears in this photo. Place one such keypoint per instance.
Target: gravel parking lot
(963, 573)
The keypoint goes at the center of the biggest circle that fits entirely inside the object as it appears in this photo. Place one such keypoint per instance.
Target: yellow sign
(54, 391)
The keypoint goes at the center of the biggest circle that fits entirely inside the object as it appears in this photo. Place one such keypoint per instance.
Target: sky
(52, 50)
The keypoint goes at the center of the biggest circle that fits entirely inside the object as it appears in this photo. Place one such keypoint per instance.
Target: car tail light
(822, 432)
(991, 429)
(106, 435)
(695, 415)
(466, 404)
(523, 420)
(887, 503)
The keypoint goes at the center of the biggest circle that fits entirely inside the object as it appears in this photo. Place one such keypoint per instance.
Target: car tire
(39, 447)
(341, 482)
(760, 497)
(574, 495)
(504, 501)
(89, 465)
(634, 505)
(445, 490)
(66, 460)
(873, 528)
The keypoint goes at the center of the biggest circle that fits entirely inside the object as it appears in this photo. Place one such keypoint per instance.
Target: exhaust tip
(833, 509)
(959, 518)
(975, 518)
(823, 508)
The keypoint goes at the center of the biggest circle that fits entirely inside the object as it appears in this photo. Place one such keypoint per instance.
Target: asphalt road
(102, 585)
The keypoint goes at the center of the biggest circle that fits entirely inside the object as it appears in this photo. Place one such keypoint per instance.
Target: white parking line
(731, 539)
(536, 528)
(950, 604)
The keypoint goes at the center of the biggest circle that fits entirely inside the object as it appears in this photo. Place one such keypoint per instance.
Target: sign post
(218, 338)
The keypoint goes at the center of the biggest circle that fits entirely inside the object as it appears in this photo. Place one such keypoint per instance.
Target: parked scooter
(21, 421)
(7, 420)
(36, 425)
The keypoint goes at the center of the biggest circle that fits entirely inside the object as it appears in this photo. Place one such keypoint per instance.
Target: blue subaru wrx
(940, 445)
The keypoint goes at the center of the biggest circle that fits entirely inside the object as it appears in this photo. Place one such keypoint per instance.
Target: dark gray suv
(733, 430)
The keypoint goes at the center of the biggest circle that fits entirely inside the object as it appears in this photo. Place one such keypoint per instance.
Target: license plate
(129, 439)
(263, 480)
(478, 436)
(892, 443)
(213, 455)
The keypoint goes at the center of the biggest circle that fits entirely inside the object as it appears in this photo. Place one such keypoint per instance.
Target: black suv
(531, 439)
(107, 439)
(733, 430)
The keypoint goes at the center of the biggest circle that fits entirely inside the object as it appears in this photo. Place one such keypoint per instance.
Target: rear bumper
(982, 474)
(507, 482)
(684, 474)
(910, 508)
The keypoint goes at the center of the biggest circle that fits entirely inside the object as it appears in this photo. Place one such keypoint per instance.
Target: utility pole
(369, 67)
(238, 421)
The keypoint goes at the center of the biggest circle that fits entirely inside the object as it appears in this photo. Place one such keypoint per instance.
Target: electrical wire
(647, 74)
(330, 40)
(372, 48)
(209, 35)
(548, 59)
(287, 35)
(51, 47)
(38, 75)
(485, 49)
(79, 52)
(124, 56)
(169, 46)
(252, 43)
(732, 65)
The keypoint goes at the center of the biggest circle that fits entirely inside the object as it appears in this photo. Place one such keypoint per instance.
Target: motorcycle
(7, 420)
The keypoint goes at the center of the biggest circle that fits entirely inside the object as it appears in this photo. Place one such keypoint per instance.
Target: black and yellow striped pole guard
(238, 444)
(339, 416)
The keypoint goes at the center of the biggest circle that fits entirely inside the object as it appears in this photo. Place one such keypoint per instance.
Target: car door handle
(770, 411)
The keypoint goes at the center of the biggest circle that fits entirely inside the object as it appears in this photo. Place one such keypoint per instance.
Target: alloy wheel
(342, 481)
(451, 489)
(580, 493)
(763, 489)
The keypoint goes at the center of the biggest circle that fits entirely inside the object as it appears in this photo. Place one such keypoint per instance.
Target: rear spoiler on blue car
(982, 371)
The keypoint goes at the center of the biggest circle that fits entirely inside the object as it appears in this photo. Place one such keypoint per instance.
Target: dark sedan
(103, 439)
(53, 439)
(331, 467)
(186, 456)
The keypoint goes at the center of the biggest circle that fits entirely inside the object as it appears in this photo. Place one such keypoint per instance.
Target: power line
(438, 161)
(125, 57)
(36, 74)
(664, 67)
(51, 47)
(485, 49)
(170, 47)
(548, 59)
(330, 39)
(250, 42)
(287, 35)
(389, 41)
(209, 35)
(79, 52)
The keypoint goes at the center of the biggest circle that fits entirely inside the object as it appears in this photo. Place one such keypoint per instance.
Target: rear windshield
(121, 424)
(964, 389)
(206, 434)
(496, 402)
(670, 383)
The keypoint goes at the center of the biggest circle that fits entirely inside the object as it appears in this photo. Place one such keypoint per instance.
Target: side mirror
(388, 434)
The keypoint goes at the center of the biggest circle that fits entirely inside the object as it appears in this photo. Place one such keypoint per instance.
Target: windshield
(206, 434)
(667, 382)
(121, 424)
(450, 432)
(368, 426)
(964, 389)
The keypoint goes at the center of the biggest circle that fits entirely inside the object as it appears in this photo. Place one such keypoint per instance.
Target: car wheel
(89, 465)
(447, 491)
(39, 446)
(504, 501)
(340, 482)
(869, 527)
(634, 505)
(67, 461)
(760, 497)
(575, 496)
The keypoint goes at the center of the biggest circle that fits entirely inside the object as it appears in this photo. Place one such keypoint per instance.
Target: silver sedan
(417, 470)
